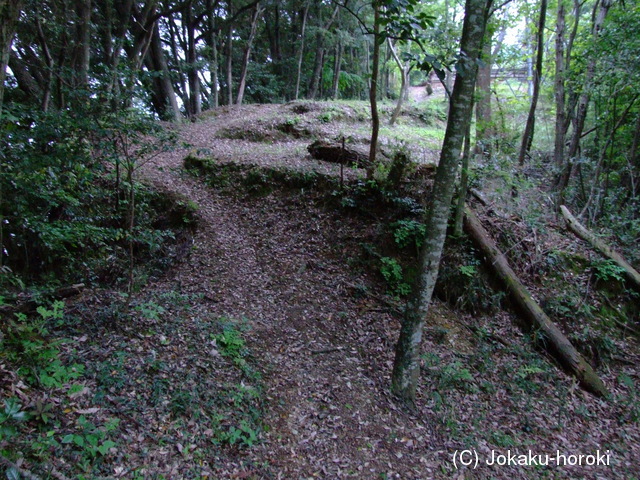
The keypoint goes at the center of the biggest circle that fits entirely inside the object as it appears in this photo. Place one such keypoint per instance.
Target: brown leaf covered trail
(279, 266)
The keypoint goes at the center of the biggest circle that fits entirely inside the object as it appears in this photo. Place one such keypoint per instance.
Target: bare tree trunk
(464, 183)
(373, 90)
(527, 136)
(583, 101)
(404, 82)
(314, 86)
(335, 87)
(83, 43)
(558, 149)
(634, 157)
(554, 339)
(165, 101)
(174, 39)
(406, 368)
(230, 57)
(301, 50)
(195, 98)
(9, 13)
(601, 157)
(247, 53)
(484, 131)
(213, 58)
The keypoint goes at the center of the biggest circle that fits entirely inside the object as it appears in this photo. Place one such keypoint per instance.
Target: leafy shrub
(408, 232)
(26, 345)
(607, 271)
(68, 195)
(391, 270)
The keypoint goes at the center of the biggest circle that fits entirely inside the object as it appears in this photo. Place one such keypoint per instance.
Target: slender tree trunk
(602, 156)
(583, 100)
(83, 43)
(214, 99)
(558, 149)
(527, 136)
(247, 53)
(464, 184)
(634, 157)
(335, 87)
(404, 82)
(174, 39)
(316, 77)
(373, 90)
(9, 13)
(484, 131)
(195, 96)
(406, 368)
(301, 50)
(571, 94)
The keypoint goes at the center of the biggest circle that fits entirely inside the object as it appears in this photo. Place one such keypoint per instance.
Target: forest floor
(266, 352)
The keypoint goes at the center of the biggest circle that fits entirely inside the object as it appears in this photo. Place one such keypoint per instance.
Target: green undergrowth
(70, 210)
(168, 377)
(391, 200)
(256, 180)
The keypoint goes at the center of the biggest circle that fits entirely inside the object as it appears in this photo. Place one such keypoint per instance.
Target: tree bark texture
(247, 54)
(404, 82)
(214, 100)
(406, 368)
(164, 96)
(558, 149)
(301, 51)
(484, 131)
(9, 13)
(337, 65)
(373, 90)
(553, 339)
(83, 43)
(583, 99)
(527, 136)
(316, 76)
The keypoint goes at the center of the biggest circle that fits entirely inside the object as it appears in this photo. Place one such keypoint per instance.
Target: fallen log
(336, 153)
(30, 304)
(553, 339)
(605, 250)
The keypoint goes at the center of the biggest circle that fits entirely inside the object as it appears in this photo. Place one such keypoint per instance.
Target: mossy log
(335, 153)
(553, 339)
(605, 250)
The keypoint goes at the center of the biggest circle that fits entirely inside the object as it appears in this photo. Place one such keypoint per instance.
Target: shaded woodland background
(148, 145)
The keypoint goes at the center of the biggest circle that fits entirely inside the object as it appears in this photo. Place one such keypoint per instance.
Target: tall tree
(559, 93)
(373, 90)
(303, 27)
(316, 76)
(406, 368)
(257, 10)
(527, 136)
(405, 69)
(599, 14)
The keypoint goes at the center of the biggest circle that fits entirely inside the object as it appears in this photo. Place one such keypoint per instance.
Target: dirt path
(279, 265)
(325, 355)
